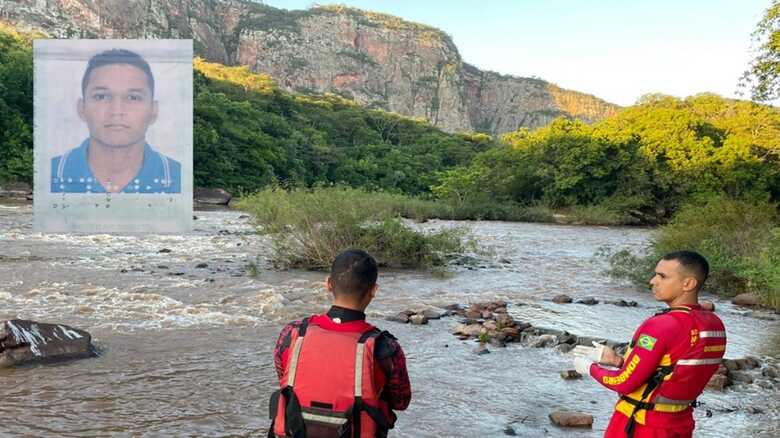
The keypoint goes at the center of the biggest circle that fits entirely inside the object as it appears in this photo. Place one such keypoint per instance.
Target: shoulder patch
(646, 341)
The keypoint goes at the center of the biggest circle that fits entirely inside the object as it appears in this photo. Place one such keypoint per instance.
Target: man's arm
(392, 361)
(651, 344)
(282, 346)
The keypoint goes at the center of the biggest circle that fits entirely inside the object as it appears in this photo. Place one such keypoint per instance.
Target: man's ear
(153, 116)
(329, 284)
(690, 284)
(80, 109)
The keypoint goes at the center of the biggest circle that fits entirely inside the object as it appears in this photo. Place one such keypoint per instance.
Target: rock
(567, 338)
(589, 301)
(718, 382)
(707, 305)
(17, 190)
(544, 341)
(481, 349)
(418, 319)
(509, 431)
(489, 325)
(731, 364)
(571, 419)
(770, 372)
(504, 320)
(194, 217)
(570, 375)
(486, 314)
(564, 348)
(623, 303)
(211, 196)
(746, 299)
(471, 330)
(765, 384)
(504, 261)
(748, 363)
(522, 326)
(431, 314)
(201, 266)
(244, 216)
(164, 251)
(754, 410)
(162, 267)
(29, 341)
(401, 317)
(562, 299)
(741, 377)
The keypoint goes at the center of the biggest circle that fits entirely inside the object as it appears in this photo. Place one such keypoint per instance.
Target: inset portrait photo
(113, 135)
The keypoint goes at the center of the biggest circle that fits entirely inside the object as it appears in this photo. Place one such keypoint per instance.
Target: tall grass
(740, 239)
(309, 227)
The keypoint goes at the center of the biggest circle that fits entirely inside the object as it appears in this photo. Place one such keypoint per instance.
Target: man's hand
(598, 353)
(582, 365)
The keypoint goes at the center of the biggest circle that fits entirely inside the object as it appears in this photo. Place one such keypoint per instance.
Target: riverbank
(165, 322)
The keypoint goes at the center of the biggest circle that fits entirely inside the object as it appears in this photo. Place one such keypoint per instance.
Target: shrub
(308, 228)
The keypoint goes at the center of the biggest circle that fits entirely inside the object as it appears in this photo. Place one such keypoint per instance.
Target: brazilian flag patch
(646, 342)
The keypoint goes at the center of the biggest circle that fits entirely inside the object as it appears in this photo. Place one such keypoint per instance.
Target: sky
(617, 50)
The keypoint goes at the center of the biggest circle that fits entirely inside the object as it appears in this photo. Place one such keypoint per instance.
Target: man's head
(679, 276)
(352, 279)
(117, 100)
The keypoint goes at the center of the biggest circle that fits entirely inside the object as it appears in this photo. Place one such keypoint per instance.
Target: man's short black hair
(694, 262)
(117, 56)
(354, 273)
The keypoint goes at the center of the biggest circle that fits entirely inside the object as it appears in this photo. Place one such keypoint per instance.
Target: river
(186, 351)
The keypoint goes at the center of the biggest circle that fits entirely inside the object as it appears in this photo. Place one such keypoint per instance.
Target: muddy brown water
(187, 351)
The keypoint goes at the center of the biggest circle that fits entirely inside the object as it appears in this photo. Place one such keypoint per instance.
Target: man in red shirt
(348, 377)
(670, 360)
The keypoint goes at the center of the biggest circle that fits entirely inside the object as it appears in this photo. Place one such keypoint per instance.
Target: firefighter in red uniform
(340, 377)
(670, 358)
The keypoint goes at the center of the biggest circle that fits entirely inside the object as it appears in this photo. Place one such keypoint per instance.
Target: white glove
(592, 353)
(582, 365)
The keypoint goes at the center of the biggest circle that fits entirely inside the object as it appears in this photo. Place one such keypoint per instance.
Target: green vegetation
(740, 239)
(635, 167)
(763, 74)
(308, 228)
(16, 105)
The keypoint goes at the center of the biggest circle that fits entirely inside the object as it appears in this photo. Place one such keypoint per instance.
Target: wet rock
(504, 320)
(623, 303)
(522, 326)
(26, 341)
(731, 364)
(570, 375)
(431, 314)
(211, 196)
(589, 301)
(486, 314)
(770, 372)
(718, 382)
(504, 261)
(562, 299)
(164, 251)
(707, 305)
(544, 341)
(162, 267)
(765, 384)
(571, 419)
(741, 377)
(489, 325)
(564, 348)
(401, 317)
(201, 266)
(754, 410)
(509, 431)
(418, 319)
(471, 330)
(746, 299)
(496, 342)
(244, 216)
(481, 349)
(567, 338)
(748, 363)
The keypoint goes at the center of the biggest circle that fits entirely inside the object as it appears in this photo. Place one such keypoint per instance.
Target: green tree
(763, 74)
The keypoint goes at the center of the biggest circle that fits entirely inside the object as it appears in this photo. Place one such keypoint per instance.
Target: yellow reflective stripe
(622, 377)
(294, 363)
(711, 348)
(627, 409)
(712, 334)
(666, 360)
(323, 418)
(359, 369)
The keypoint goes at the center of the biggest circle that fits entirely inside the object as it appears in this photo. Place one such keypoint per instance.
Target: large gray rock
(23, 342)
(571, 419)
(746, 300)
(211, 196)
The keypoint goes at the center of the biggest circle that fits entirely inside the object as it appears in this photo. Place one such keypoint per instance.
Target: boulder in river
(589, 301)
(23, 342)
(570, 374)
(211, 196)
(562, 299)
(571, 419)
(418, 319)
(746, 299)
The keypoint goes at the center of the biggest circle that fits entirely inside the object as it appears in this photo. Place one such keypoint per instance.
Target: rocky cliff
(378, 60)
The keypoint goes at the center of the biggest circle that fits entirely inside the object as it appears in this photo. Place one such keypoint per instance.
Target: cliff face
(378, 60)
